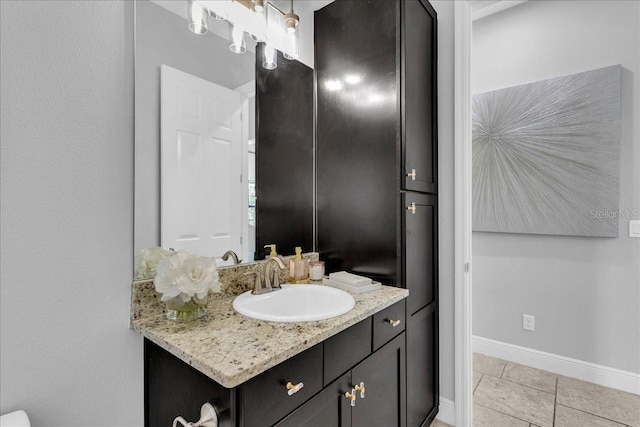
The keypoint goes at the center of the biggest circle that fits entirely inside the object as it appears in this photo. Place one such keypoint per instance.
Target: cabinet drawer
(344, 350)
(388, 323)
(265, 398)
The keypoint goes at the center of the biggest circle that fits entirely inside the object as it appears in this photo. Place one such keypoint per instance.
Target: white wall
(67, 355)
(584, 292)
(444, 9)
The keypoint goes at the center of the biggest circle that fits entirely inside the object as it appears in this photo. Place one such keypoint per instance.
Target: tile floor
(507, 394)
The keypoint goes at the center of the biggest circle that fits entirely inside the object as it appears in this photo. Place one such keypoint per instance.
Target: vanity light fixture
(197, 17)
(261, 9)
(236, 39)
(259, 5)
(263, 21)
(270, 61)
(291, 21)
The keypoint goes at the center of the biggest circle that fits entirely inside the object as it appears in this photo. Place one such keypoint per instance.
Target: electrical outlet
(528, 322)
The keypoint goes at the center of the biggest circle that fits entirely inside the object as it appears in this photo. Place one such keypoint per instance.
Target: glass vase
(180, 310)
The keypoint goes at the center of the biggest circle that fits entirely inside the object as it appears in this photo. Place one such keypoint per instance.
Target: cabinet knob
(412, 208)
(412, 174)
(293, 389)
(351, 396)
(361, 389)
(394, 323)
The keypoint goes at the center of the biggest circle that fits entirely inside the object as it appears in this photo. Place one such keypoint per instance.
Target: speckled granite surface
(231, 348)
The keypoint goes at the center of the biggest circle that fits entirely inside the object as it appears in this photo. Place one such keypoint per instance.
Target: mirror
(202, 174)
(174, 67)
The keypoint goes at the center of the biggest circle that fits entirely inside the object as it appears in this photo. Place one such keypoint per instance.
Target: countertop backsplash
(146, 301)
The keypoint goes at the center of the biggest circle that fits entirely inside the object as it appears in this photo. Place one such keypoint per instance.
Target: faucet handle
(269, 269)
(257, 286)
(276, 279)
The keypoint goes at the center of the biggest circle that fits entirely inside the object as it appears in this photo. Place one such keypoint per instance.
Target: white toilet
(15, 419)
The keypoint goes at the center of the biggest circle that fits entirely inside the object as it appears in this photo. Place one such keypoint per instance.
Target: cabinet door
(422, 366)
(330, 408)
(384, 375)
(419, 96)
(173, 388)
(421, 243)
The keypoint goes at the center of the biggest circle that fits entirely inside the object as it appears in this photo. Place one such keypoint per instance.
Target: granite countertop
(231, 348)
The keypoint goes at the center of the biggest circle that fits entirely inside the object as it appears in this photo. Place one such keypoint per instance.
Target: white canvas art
(546, 156)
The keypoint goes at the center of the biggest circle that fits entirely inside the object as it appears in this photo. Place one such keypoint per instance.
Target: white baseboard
(586, 371)
(446, 411)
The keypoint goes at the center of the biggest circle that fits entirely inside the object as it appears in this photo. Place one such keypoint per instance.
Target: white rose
(200, 274)
(186, 276)
(168, 276)
(147, 262)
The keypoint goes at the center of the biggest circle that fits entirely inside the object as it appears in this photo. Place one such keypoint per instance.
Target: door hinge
(466, 267)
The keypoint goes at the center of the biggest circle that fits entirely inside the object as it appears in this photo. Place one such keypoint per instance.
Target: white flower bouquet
(184, 280)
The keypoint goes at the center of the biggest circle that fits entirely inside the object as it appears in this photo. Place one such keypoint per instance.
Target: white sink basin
(295, 303)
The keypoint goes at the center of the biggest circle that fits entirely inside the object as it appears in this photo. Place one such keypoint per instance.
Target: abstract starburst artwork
(546, 156)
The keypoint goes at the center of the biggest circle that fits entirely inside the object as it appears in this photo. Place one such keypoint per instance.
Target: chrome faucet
(276, 274)
(233, 255)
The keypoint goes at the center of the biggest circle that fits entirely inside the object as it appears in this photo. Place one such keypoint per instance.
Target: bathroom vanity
(265, 373)
(362, 192)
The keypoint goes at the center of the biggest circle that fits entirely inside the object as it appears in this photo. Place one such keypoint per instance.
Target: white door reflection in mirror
(202, 155)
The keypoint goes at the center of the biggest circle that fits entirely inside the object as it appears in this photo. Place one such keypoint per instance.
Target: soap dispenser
(298, 268)
(273, 252)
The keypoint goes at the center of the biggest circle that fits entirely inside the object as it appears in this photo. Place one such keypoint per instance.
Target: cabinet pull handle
(412, 208)
(394, 323)
(351, 396)
(412, 174)
(361, 389)
(293, 389)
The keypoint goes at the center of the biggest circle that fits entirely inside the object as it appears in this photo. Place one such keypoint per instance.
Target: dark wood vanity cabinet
(376, 133)
(383, 376)
(371, 352)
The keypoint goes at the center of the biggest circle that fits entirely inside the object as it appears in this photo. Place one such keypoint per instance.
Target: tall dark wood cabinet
(376, 164)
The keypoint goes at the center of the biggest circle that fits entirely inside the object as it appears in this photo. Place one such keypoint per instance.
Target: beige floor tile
(532, 377)
(477, 375)
(519, 401)
(438, 423)
(604, 402)
(485, 417)
(569, 417)
(488, 365)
